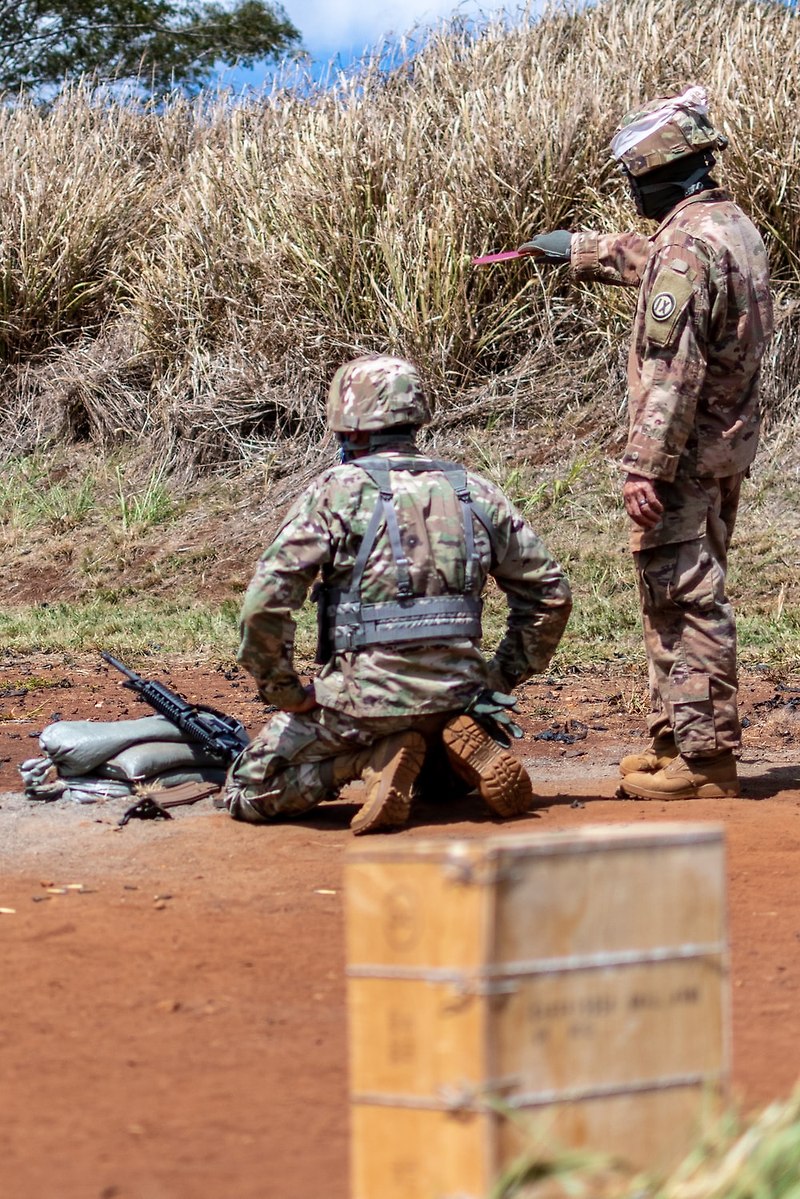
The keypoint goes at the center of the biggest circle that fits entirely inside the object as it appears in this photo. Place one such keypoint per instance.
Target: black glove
(553, 247)
(491, 709)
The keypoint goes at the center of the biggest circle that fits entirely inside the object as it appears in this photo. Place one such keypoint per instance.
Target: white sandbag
(172, 778)
(153, 758)
(36, 771)
(40, 779)
(91, 789)
(79, 746)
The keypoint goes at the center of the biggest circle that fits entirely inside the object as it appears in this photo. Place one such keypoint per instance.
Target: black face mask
(657, 193)
(656, 201)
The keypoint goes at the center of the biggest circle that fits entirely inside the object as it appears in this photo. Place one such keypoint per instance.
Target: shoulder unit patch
(669, 299)
(663, 305)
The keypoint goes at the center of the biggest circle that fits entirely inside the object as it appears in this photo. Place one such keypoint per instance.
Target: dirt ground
(173, 1000)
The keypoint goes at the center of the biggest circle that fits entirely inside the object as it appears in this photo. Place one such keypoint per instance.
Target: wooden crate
(576, 980)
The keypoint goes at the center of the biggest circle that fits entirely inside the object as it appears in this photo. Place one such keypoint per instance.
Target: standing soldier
(404, 545)
(702, 322)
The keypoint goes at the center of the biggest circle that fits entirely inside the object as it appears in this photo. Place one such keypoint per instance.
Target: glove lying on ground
(492, 711)
(552, 247)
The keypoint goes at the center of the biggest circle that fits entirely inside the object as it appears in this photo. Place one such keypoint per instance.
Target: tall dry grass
(753, 1158)
(191, 276)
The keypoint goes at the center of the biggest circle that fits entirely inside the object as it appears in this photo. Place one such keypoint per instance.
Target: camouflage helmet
(376, 392)
(664, 131)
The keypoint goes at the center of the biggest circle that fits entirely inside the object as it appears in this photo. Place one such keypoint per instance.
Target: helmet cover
(665, 130)
(376, 392)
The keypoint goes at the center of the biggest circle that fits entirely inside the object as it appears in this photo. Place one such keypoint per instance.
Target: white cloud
(349, 26)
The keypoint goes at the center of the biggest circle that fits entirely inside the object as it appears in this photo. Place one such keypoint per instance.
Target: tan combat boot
(661, 752)
(687, 778)
(501, 780)
(389, 776)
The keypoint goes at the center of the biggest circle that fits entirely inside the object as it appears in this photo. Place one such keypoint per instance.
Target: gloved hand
(552, 247)
(492, 710)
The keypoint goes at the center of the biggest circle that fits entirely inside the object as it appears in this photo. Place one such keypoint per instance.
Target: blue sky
(343, 29)
(348, 26)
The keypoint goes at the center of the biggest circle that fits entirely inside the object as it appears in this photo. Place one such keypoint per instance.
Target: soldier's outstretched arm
(615, 258)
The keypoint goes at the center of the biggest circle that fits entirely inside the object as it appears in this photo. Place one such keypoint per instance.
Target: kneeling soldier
(403, 544)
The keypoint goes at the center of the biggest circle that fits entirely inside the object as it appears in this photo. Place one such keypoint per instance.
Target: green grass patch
(28, 685)
(139, 626)
(41, 492)
(602, 631)
(30, 497)
(142, 507)
(573, 505)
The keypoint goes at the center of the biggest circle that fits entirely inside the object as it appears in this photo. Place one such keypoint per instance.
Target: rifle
(221, 736)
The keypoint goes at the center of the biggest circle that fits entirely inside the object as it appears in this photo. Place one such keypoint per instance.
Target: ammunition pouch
(354, 625)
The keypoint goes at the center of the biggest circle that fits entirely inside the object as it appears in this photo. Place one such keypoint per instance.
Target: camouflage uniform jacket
(324, 530)
(703, 318)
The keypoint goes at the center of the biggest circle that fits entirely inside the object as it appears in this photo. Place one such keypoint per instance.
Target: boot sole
(399, 764)
(501, 780)
(706, 791)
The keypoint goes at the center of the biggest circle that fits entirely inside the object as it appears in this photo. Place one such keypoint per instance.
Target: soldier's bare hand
(641, 501)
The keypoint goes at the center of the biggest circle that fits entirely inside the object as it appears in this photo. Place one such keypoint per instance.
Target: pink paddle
(503, 256)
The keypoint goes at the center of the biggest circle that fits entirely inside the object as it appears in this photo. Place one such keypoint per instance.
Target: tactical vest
(347, 623)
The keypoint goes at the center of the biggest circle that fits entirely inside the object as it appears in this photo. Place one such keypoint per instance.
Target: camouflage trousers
(299, 760)
(690, 632)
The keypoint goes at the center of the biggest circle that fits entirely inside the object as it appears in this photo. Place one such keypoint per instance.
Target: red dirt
(176, 1030)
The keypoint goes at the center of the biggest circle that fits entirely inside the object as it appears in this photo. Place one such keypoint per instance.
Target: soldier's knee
(686, 580)
(253, 809)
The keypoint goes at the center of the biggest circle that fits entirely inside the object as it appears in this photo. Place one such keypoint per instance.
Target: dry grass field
(179, 282)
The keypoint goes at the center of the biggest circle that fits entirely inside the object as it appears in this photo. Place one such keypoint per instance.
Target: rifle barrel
(115, 662)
